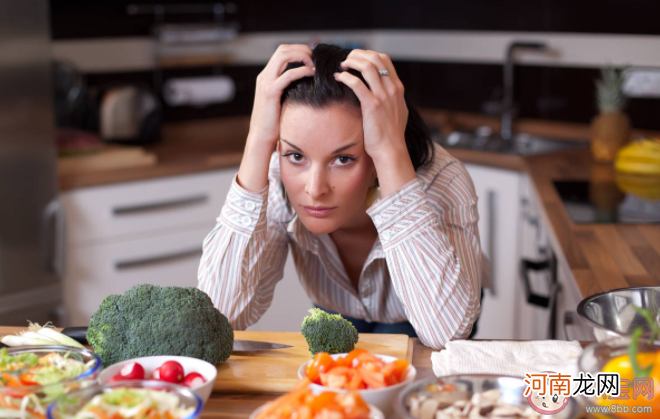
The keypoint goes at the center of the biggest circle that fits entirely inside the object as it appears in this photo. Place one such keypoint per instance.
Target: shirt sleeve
(431, 243)
(244, 255)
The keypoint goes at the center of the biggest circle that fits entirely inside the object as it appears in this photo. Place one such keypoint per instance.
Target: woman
(405, 262)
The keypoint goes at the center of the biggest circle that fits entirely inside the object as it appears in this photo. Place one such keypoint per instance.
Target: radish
(193, 379)
(132, 371)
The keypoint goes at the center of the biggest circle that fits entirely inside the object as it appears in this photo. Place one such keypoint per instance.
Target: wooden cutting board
(276, 371)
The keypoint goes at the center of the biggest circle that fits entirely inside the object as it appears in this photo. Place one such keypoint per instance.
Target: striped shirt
(424, 266)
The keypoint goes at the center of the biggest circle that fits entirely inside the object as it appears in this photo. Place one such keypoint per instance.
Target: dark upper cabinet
(109, 18)
(76, 19)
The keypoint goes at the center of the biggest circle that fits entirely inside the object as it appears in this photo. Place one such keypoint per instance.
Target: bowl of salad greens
(33, 377)
(131, 399)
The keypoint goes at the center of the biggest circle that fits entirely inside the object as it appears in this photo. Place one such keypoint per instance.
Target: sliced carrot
(12, 381)
(28, 379)
(47, 358)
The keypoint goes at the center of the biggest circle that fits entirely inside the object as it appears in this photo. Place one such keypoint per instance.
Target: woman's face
(324, 167)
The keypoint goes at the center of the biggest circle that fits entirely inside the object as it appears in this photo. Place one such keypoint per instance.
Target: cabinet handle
(492, 222)
(152, 260)
(52, 238)
(157, 206)
(530, 265)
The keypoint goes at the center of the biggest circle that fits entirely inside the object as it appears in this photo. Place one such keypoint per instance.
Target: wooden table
(232, 406)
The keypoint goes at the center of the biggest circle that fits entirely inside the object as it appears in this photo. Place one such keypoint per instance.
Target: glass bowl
(597, 355)
(512, 389)
(39, 396)
(67, 407)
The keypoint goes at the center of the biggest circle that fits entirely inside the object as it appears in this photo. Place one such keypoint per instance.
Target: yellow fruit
(639, 157)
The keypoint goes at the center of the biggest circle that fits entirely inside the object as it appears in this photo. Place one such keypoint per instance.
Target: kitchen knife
(80, 334)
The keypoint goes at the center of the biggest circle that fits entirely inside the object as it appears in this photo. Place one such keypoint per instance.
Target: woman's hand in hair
(271, 82)
(265, 120)
(384, 116)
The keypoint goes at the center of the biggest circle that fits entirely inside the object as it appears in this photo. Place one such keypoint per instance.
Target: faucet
(508, 106)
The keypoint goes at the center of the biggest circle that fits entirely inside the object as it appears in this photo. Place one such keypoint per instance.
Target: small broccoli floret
(151, 320)
(328, 332)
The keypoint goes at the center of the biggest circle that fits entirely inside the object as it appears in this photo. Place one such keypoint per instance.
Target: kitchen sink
(520, 144)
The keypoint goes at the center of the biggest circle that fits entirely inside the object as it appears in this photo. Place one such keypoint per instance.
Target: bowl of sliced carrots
(302, 403)
(378, 379)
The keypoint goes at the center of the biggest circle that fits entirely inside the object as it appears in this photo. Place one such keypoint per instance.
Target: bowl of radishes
(194, 373)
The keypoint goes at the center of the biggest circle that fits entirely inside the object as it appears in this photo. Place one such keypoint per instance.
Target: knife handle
(78, 334)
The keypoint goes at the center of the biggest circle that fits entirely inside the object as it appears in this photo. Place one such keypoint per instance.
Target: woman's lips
(319, 211)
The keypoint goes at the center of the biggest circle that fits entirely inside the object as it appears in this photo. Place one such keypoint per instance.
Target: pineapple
(609, 90)
(610, 129)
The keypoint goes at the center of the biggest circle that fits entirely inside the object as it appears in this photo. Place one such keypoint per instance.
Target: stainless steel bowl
(512, 389)
(611, 313)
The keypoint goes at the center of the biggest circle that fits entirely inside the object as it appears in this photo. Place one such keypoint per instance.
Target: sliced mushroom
(492, 395)
(428, 409)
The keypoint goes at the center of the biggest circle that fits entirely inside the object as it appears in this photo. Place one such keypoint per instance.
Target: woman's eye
(295, 157)
(344, 160)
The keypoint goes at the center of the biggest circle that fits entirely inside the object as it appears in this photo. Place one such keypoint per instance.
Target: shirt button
(246, 220)
(387, 234)
(379, 219)
(249, 205)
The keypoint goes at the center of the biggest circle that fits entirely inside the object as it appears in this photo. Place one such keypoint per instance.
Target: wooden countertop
(186, 147)
(601, 257)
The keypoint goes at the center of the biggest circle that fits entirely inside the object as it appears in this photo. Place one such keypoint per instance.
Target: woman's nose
(317, 184)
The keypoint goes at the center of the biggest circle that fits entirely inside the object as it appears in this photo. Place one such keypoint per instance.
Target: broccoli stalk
(151, 320)
(328, 332)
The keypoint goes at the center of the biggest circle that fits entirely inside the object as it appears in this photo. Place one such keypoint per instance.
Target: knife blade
(253, 345)
(79, 334)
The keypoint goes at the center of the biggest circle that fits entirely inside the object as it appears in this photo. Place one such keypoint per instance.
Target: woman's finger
(294, 74)
(394, 77)
(359, 88)
(369, 71)
(287, 54)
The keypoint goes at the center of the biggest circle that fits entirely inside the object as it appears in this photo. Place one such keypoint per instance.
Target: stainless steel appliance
(30, 225)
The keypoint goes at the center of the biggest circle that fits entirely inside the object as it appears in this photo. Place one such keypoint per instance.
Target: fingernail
(313, 68)
(336, 75)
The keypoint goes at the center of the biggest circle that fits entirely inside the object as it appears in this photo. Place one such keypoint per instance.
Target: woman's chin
(319, 225)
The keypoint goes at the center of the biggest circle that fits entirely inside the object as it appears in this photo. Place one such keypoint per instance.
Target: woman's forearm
(253, 172)
(394, 169)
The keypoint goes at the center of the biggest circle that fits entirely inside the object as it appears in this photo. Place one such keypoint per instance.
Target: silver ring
(384, 72)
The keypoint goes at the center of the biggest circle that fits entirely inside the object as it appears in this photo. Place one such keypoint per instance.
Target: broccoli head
(326, 332)
(151, 320)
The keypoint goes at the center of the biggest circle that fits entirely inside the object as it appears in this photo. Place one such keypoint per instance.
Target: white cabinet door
(532, 321)
(498, 193)
(94, 272)
(93, 215)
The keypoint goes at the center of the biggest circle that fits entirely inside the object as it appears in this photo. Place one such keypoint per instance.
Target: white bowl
(150, 363)
(382, 398)
(374, 412)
